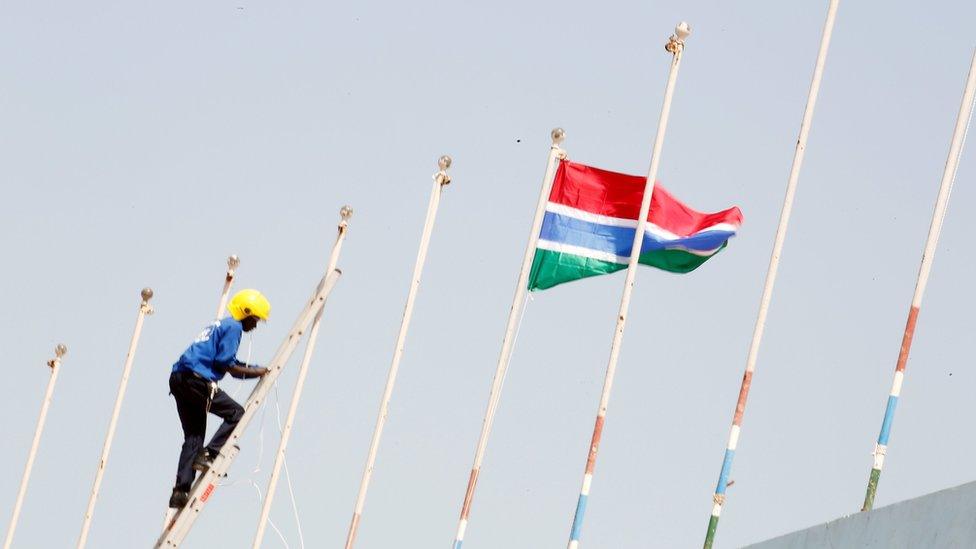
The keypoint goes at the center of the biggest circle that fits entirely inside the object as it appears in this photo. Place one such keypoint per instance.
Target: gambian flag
(590, 221)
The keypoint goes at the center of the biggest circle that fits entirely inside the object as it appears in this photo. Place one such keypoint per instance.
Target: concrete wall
(939, 520)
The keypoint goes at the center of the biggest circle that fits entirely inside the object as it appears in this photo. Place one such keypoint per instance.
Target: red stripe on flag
(619, 195)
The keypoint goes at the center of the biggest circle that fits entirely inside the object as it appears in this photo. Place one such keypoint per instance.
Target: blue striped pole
(935, 228)
(718, 498)
(675, 46)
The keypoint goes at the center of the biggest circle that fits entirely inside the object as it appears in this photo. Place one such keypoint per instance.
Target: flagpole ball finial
(147, 294)
(441, 177)
(346, 212)
(61, 350)
(232, 262)
(682, 31)
(676, 42)
(558, 135)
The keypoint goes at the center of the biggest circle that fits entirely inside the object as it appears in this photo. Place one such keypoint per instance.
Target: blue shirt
(213, 351)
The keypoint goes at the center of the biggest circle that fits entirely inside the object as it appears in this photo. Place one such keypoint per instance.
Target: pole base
(872, 490)
(710, 535)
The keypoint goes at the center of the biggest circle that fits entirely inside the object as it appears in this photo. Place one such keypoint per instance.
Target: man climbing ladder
(193, 384)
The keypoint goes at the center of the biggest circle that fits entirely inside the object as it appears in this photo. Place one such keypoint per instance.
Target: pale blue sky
(141, 143)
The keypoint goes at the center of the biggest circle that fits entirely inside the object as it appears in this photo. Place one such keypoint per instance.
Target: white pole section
(555, 154)
(345, 213)
(676, 47)
(232, 263)
(144, 309)
(55, 365)
(718, 498)
(441, 179)
(935, 228)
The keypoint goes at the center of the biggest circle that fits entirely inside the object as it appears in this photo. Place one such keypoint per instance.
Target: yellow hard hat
(247, 303)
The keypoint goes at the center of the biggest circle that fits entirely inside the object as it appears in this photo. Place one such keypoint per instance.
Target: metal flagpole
(232, 263)
(55, 365)
(440, 180)
(555, 154)
(675, 46)
(144, 309)
(935, 228)
(718, 498)
(345, 213)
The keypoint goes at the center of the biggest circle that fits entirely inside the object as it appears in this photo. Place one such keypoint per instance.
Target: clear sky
(141, 143)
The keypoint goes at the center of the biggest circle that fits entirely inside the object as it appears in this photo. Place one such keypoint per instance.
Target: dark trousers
(192, 394)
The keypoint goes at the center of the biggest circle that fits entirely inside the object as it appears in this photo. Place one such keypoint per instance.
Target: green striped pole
(718, 498)
(935, 228)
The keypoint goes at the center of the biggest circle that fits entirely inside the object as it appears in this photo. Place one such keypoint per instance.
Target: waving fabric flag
(590, 221)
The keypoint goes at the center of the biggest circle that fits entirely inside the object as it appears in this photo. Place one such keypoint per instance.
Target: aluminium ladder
(178, 526)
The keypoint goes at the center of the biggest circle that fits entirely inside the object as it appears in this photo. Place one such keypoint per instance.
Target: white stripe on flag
(583, 252)
(607, 256)
(653, 229)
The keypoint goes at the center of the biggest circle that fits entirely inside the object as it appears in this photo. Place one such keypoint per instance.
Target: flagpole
(935, 228)
(345, 213)
(441, 179)
(555, 154)
(718, 498)
(55, 365)
(675, 46)
(144, 309)
(232, 263)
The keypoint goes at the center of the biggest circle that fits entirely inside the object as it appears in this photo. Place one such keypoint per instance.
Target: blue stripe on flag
(618, 240)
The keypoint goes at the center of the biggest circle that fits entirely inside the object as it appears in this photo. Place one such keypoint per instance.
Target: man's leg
(231, 412)
(191, 404)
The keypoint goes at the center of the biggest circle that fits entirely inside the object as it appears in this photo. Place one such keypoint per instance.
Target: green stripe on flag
(551, 268)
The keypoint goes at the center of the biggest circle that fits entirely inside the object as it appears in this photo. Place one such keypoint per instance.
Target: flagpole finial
(345, 212)
(232, 262)
(676, 42)
(147, 294)
(59, 352)
(558, 135)
(682, 31)
(443, 163)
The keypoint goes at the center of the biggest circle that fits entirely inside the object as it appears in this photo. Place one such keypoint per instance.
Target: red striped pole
(935, 228)
(441, 180)
(675, 46)
(508, 342)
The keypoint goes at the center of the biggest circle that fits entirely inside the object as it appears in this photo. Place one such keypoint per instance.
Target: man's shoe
(179, 499)
(203, 462)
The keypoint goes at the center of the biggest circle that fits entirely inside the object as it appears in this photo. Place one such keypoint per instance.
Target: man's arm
(243, 371)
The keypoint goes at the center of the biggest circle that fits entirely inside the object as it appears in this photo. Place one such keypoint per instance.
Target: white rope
(291, 490)
(257, 467)
(518, 329)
